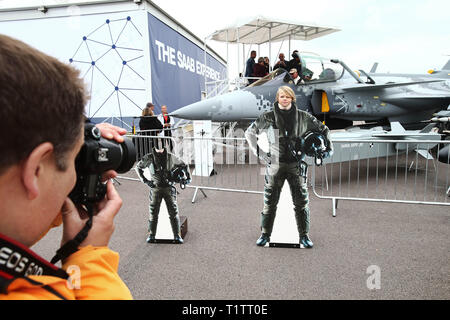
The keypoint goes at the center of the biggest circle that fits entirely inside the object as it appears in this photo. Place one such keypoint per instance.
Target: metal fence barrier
(144, 140)
(363, 170)
(233, 168)
(384, 171)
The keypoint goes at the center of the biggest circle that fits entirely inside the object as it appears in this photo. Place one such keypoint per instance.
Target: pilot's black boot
(266, 229)
(152, 224)
(263, 239)
(175, 224)
(305, 242)
(151, 238)
(178, 239)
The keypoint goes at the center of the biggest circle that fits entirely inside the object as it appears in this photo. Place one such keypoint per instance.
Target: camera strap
(18, 261)
(71, 246)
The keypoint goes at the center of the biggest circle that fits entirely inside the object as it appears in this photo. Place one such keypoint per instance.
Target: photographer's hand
(109, 131)
(103, 220)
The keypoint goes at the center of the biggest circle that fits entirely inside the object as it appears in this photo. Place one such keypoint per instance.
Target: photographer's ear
(33, 168)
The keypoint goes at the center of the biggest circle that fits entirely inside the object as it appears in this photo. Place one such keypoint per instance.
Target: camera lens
(99, 154)
(128, 156)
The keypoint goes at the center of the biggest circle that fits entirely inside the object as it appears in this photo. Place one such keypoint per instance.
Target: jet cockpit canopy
(317, 68)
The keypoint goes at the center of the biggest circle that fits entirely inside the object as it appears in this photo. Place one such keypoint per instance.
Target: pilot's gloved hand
(327, 153)
(149, 183)
(266, 157)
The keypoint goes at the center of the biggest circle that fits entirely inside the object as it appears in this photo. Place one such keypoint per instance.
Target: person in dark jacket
(149, 121)
(295, 62)
(259, 69)
(267, 65)
(281, 63)
(250, 63)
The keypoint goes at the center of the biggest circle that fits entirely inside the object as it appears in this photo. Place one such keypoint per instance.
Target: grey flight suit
(160, 165)
(281, 166)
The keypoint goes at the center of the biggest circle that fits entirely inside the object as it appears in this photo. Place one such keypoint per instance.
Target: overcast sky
(410, 36)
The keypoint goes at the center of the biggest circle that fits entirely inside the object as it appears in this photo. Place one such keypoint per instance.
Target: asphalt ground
(407, 245)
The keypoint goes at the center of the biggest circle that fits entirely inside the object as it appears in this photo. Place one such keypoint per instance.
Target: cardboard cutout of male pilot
(165, 170)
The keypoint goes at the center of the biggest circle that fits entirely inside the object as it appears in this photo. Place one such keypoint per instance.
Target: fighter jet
(336, 94)
(377, 142)
(442, 122)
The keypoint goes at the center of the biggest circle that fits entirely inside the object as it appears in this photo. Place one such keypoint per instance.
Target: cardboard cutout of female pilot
(284, 125)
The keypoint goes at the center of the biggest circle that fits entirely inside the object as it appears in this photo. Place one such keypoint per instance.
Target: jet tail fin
(446, 66)
(375, 66)
(396, 127)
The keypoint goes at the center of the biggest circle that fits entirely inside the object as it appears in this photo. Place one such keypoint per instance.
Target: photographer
(42, 103)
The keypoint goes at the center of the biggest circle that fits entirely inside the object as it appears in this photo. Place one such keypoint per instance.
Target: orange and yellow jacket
(92, 270)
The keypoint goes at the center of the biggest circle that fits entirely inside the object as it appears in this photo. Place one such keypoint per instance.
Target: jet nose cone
(201, 110)
(232, 106)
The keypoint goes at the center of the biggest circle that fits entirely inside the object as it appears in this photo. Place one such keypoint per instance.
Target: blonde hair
(147, 112)
(287, 91)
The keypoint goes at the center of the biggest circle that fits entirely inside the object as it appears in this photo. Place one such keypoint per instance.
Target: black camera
(97, 156)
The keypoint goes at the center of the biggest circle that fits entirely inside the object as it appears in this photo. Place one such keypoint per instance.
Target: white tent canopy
(259, 30)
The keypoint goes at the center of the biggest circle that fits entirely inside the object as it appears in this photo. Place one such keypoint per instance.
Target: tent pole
(237, 42)
(289, 53)
(270, 45)
(206, 91)
(228, 67)
(243, 58)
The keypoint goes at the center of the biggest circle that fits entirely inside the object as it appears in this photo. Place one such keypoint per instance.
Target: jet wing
(413, 136)
(442, 113)
(365, 87)
(398, 132)
(411, 100)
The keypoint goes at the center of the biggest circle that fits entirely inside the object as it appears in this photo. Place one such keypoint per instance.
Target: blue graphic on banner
(178, 67)
(110, 58)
